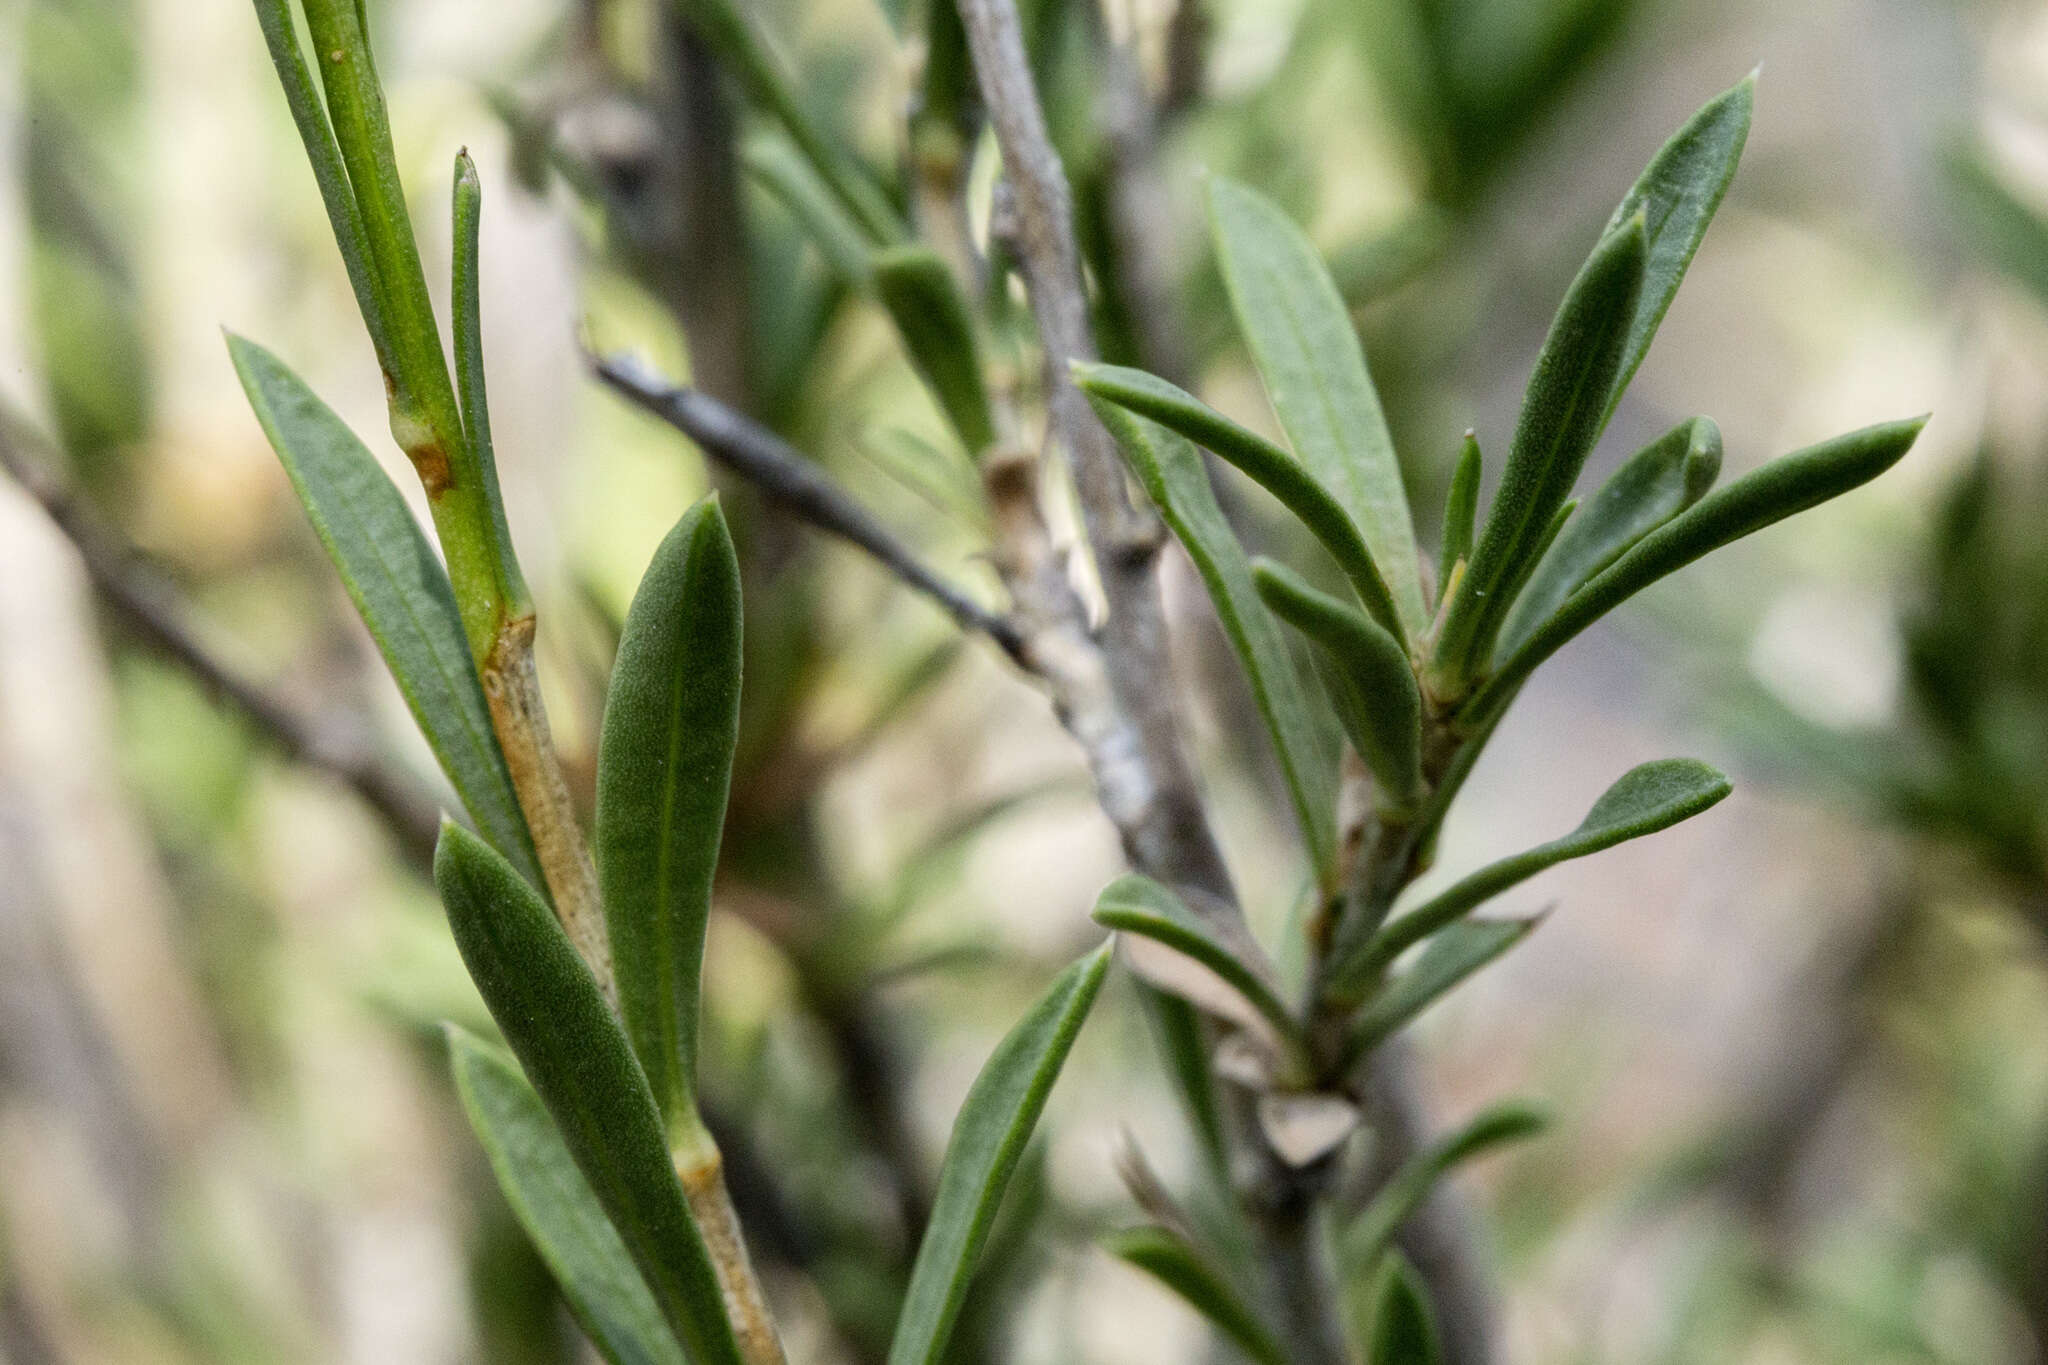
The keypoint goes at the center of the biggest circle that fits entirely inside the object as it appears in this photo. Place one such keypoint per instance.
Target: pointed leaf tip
(994, 1124)
(1646, 799)
(1308, 355)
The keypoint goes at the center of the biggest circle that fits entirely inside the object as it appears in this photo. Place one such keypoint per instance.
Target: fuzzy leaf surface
(1786, 486)
(1654, 485)
(1266, 464)
(1677, 195)
(1374, 686)
(398, 587)
(664, 768)
(1562, 414)
(1650, 797)
(1306, 351)
(573, 1051)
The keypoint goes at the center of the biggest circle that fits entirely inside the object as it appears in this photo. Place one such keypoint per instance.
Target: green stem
(425, 419)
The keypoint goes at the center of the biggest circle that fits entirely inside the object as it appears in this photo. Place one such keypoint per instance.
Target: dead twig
(784, 476)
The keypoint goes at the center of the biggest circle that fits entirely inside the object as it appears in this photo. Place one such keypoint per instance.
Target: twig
(1116, 706)
(1164, 828)
(769, 463)
(153, 607)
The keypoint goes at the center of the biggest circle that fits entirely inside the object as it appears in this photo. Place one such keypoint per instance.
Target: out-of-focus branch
(1187, 42)
(785, 477)
(1139, 216)
(153, 607)
(1438, 1238)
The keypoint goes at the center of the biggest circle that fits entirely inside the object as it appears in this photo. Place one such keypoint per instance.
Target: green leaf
(1374, 685)
(1656, 484)
(556, 1206)
(1562, 415)
(1648, 798)
(1134, 904)
(398, 588)
(1788, 485)
(1461, 512)
(995, 1122)
(1403, 1326)
(1371, 1234)
(1265, 463)
(1454, 953)
(773, 160)
(728, 29)
(2006, 231)
(1177, 1028)
(1677, 195)
(1164, 1256)
(1171, 471)
(922, 296)
(1302, 341)
(552, 1015)
(664, 768)
(309, 115)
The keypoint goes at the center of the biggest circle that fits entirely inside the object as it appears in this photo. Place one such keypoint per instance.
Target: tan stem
(701, 1170)
(512, 689)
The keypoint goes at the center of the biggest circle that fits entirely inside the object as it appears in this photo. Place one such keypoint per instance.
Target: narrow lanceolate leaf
(1171, 471)
(924, 299)
(1562, 414)
(1454, 953)
(550, 1010)
(1677, 195)
(1265, 463)
(1786, 486)
(2008, 232)
(1402, 1328)
(1646, 799)
(1373, 684)
(1372, 1232)
(1656, 484)
(664, 766)
(1461, 512)
(995, 1122)
(1178, 1266)
(1138, 906)
(397, 586)
(775, 163)
(1302, 341)
(728, 28)
(558, 1210)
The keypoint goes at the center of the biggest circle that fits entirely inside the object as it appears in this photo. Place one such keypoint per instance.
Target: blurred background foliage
(1794, 1051)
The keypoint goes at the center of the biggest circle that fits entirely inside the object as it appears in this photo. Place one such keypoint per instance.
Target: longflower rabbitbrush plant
(590, 965)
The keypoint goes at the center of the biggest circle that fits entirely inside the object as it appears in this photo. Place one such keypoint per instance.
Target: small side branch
(154, 608)
(784, 476)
